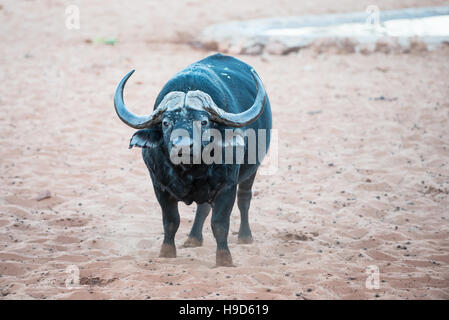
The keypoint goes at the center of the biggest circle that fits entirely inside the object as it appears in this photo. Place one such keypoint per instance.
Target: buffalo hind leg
(195, 238)
(244, 195)
(221, 214)
(170, 220)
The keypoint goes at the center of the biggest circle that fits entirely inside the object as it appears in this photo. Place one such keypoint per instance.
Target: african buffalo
(221, 93)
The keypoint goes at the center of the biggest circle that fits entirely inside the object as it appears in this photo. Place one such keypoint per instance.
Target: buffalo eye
(166, 123)
(204, 122)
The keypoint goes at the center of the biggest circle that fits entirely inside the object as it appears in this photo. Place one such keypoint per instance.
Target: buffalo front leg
(221, 213)
(244, 196)
(195, 238)
(170, 220)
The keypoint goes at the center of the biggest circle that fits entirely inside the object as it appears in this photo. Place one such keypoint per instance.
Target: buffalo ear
(146, 138)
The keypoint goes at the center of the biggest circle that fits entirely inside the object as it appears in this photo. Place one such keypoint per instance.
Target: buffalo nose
(182, 142)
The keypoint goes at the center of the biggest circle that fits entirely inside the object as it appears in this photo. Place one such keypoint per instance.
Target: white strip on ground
(436, 26)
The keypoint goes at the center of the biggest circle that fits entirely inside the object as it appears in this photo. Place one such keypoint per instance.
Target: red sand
(362, 180)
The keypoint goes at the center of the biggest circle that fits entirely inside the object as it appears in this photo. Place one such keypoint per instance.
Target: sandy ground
(362, 180)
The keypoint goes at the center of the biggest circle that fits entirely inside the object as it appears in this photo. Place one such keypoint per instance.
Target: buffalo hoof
(224, 259)
(167, 251)
(192, 242)
(245, 240)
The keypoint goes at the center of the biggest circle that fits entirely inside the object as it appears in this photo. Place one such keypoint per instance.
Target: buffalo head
(179, 114)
